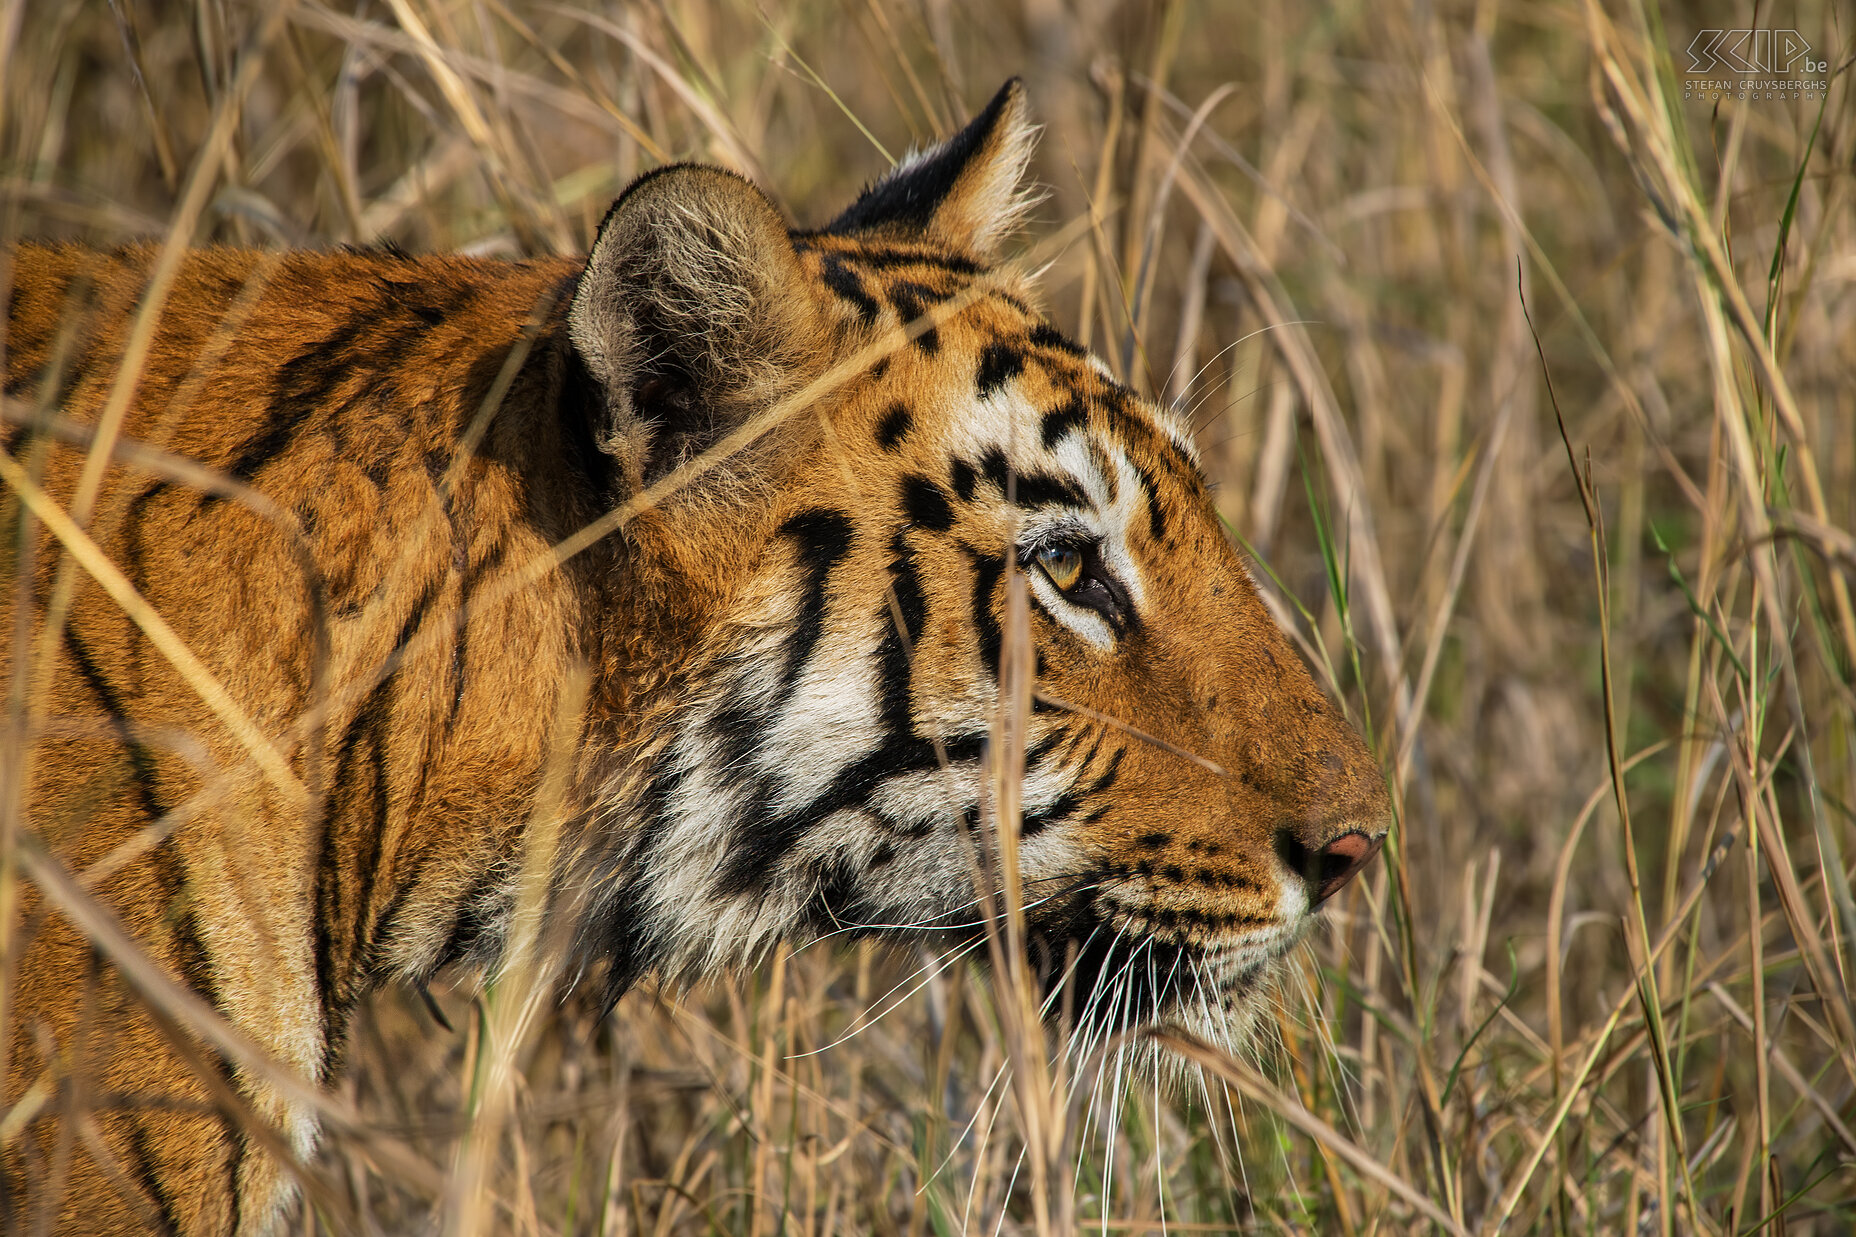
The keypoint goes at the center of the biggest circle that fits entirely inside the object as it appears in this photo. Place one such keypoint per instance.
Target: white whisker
(864, 1024)
(954, 1147)
(1005, 1202)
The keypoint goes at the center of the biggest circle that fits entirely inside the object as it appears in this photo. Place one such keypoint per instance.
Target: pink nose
(1339, 862)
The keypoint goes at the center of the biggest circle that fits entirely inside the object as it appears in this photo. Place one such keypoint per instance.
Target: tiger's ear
(693, 312)
(968, 193)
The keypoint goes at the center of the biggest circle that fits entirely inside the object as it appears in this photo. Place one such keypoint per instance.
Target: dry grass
(1600, 632)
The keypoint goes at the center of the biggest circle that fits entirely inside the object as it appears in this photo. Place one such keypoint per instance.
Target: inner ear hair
(693, 311)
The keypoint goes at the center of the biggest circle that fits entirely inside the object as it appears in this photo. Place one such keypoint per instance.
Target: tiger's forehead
(982, 371)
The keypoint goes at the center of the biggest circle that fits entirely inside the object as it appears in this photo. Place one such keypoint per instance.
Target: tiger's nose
(1328, 870)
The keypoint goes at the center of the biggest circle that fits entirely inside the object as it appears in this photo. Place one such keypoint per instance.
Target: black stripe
(1118, 403)
(895, 670)
(759, 842)
(378, 469)
(1108, 775)
(328, 907)
(141, 760)
(368, 349)
(842, 280)
(1044, 335)
(836, 900)
(997, 469)
(1175, 462)
(370, 724)
(12, 1197)
(894, 427)
(1059, 811)
(964, 478)
(1066, 803)
(739, 722)
(999, 363)
(192, 960)
(908, 588)
(26, 336)
(27, 333)
(142, 1168)
(415, 618)
(823, 537)
(1044, 746)
(925, 504)
(375, 719)
(1156, 518)
(986, 572)
(912, 301)
(475, 913)
(357, 820)
(234, 1162)
(365, 348)
(430, 301)
(1030, 489)
(304, 383)
(468, 583)
(1042, 489)
(286, 420)
(614, 926)
(386, 922)
(879, 259)
(135, 542)
(1061, 421)
(1016, 302)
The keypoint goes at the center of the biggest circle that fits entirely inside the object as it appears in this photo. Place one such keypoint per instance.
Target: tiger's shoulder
(254, 329)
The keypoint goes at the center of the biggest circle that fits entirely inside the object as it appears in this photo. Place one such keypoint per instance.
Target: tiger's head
(845, 453)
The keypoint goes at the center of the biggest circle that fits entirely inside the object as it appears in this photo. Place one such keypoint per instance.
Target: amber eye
(1063, 564)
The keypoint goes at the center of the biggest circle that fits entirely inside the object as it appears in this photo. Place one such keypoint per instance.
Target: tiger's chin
(1219, 991)
(1231, 1019)
(1230, 1016)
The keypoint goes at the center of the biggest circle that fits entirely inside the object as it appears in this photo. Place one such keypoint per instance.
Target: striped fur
(792, 662)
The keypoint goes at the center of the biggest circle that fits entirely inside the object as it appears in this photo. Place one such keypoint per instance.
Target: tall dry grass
(1526, 367)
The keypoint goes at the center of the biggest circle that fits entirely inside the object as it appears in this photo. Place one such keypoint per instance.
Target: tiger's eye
(1062, 563)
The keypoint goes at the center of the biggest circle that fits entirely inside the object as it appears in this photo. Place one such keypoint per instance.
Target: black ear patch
(965, 193)
(909, 196)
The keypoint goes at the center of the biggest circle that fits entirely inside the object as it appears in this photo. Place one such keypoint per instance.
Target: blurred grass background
(1600, 633)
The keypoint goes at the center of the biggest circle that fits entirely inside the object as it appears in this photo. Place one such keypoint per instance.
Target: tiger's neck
(508, 662)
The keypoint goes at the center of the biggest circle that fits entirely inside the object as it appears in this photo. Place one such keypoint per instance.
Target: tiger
(732, 561)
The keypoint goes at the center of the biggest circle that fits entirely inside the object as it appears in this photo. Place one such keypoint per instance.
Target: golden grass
(1599, 628)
